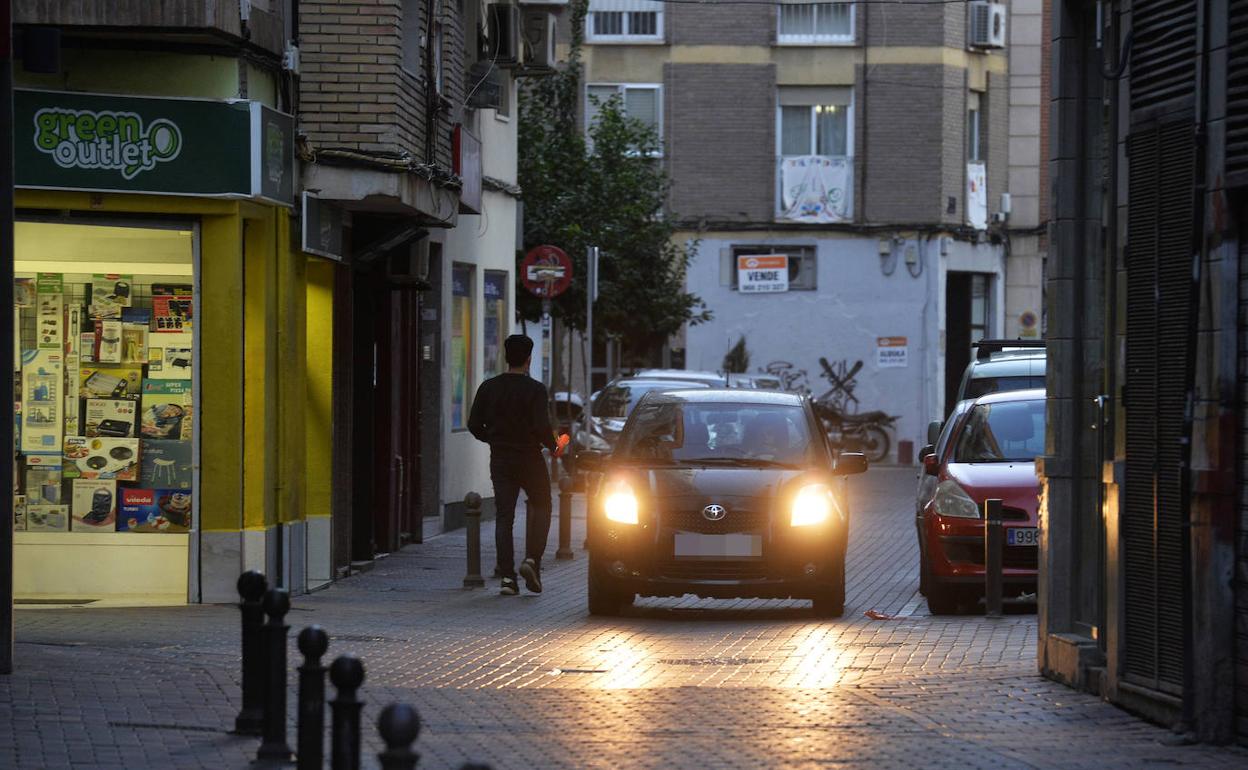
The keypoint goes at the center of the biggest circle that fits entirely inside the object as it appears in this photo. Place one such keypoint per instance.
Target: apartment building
(845, 168)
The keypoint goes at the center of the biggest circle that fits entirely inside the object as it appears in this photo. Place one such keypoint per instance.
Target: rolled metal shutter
(1237, 94)
(1241, 555)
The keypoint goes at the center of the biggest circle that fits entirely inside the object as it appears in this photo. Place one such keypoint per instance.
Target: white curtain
(816, 189)
(976, 196)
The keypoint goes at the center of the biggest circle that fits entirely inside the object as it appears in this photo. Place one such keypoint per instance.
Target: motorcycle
(865, 432)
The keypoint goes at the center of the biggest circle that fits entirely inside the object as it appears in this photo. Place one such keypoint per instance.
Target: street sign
(762, 273)
(546, 271)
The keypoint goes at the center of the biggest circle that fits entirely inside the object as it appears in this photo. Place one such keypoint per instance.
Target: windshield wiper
(737, 462)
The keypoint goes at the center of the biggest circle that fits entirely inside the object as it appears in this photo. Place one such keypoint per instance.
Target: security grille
(1163, 55)
(1159, 306)
(1241, 572)
(1237, 94)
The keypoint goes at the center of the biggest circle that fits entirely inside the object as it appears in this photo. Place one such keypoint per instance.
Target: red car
(991, 455)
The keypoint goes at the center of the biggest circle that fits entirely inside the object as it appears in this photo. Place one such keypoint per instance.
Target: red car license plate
(1022, 536)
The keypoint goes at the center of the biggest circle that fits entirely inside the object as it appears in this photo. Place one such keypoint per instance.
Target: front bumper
(955, 553)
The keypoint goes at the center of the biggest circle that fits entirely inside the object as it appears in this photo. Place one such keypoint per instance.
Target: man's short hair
(518, 348)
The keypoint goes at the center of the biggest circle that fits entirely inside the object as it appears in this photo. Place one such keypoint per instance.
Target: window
(689, 432)
(640, 102)
(974, 124)
(815, 121)
(461, 343)
(1011, 431)
(816, 23)
(413, 40)
(802, 263)
(494, 328)
(624, 21)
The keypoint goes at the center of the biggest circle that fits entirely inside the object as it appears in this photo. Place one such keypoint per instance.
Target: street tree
(608, 190)
(737, 359)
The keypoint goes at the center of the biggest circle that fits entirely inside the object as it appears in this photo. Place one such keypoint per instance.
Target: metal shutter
(1160, 248)
(1241, 554)
(1163, 54)
(1237, 94)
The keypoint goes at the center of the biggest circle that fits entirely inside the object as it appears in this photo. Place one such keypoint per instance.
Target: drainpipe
(431, 96)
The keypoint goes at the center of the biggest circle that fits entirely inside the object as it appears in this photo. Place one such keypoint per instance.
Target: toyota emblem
(714, 512)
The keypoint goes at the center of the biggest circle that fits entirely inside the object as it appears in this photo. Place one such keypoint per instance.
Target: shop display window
(104, 366)
(494, 328)
(461, 344)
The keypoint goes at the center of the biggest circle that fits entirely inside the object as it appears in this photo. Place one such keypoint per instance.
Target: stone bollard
(250, 719)
(565, 519)
(313, 642)
(347, 674)
(472, 518)
(399, 725)
(273, 638)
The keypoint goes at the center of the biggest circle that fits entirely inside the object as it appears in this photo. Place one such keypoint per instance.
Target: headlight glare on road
(811, 506)
(621, 504)
(952, 500)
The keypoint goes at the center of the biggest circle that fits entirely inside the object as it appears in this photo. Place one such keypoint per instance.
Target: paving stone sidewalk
(532, 681)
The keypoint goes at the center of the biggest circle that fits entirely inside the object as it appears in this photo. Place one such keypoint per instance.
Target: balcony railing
(817, 189)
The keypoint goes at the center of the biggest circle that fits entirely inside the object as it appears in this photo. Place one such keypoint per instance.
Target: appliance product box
(166, 409)
(111, 289)
(47, 518)
(94, 505)
(113, 417)
(155, 510)
(111, 381)
(43, 484)
(42, 400)
(165, 464)
(169, 357)
(19, 513)
(133, 344)
(101, 458)
(172, 307)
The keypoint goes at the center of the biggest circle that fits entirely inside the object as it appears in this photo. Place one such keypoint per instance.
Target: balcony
(815, 189)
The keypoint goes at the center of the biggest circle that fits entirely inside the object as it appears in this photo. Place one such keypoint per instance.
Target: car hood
(670, 488)
(1015, 484)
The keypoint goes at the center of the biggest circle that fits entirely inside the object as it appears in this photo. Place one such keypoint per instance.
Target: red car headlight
(952, 500)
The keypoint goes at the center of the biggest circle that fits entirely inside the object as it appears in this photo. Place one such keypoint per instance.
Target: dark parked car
(720, 493)
(613, 404)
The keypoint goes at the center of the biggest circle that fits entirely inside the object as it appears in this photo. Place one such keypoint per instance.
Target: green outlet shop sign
(101, 142)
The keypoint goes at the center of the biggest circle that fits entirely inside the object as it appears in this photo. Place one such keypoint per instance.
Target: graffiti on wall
(791, 378)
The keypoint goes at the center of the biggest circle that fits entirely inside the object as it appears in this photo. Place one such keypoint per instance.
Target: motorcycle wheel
(875, 443)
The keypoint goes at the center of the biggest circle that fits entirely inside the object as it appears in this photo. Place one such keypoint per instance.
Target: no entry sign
(546, 271)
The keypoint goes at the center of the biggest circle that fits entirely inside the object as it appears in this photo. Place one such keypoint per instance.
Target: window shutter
(642, 104)
(1163, 54)
(1237, 94)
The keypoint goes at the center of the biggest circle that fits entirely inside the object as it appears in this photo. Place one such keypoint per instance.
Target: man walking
(510, 414)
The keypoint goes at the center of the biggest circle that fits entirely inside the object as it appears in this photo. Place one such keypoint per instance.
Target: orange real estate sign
(762, 273)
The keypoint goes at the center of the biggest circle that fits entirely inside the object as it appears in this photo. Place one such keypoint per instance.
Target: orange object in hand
(561, 444)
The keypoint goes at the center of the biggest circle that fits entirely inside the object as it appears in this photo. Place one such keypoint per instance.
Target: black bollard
(347, 674)
(565, 519)
(273, 636)
(251, 587)
(399, 724)
(311, 740)
(472, 517)
(993, 549)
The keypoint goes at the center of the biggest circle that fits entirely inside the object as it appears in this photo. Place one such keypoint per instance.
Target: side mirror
(925, 451)
(933, 431)
(590, 460)
(850, 463)
(931, 465)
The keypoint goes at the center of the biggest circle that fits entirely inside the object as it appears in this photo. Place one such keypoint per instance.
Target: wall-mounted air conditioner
(538, 35)
(986, 28)
(504, 40)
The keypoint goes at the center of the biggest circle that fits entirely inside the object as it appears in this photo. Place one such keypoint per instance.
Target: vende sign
(762, 273)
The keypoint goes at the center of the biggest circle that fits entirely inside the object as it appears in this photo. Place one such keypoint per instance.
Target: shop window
(104, 364)
(461, 344)
(494, 329)
(802, 264)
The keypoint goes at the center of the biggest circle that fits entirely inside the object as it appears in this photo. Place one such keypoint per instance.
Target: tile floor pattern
(532, 681)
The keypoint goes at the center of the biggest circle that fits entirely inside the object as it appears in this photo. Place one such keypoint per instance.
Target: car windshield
(982, 386)
(717, 433)
(1011, 431)
(616, 401)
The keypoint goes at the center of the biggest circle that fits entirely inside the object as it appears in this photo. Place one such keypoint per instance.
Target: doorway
(966, 322)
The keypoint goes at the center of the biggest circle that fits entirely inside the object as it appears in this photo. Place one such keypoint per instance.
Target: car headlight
(812, 505)
(621, 504)
(952, 500)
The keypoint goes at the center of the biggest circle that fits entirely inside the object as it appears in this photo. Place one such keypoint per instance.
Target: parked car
(612, 405)
(1002, 365)
(712, 379)
(755, 381)
(991, 454)
(720, 493)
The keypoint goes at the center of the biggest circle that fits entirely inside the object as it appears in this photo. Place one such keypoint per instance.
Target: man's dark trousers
(512, 471)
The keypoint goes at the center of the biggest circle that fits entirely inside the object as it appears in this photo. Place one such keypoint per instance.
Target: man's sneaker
(532, 576)
(510, 588)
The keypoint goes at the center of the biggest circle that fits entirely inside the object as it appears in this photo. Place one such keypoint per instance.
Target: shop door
(395, 517)
(966, 322)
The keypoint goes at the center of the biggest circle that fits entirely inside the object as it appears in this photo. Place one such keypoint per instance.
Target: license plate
(1022, 536)
(691, 545)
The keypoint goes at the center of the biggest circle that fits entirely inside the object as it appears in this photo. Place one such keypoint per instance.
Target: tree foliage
(608, 192)
(737, 360)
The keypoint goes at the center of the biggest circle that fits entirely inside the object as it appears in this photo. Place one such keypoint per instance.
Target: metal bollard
(399, 724)
(313, 642)
(565, 519)
(251, 587)
(273, 636)
(347, 674)
(993, 551)
(472, 517)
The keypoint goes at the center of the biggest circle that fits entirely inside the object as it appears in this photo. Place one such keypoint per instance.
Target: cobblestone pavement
(532, 681)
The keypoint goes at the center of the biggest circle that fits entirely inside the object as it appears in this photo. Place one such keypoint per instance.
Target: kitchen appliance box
(101, 458)
(165, 463)
(112, 417)
(169, 357)
(47, 518)
(111, 381)
(166, 409)
(19, 513)
(155, 510)
(94, 505)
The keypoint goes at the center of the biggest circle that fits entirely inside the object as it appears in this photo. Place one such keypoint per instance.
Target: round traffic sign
(546, 271)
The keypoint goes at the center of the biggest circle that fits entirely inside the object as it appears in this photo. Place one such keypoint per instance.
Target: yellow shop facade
(172, 365)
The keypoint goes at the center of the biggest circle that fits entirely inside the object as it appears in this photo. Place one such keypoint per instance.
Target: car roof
(630, 382)
(678, 374)
(725, 396)
(1033, 363)
(1009, 396)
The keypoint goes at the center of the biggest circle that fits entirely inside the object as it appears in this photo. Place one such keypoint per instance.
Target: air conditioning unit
(538, 34)
(504, 39)
(987, 25)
